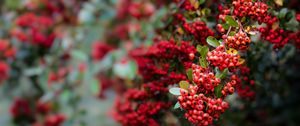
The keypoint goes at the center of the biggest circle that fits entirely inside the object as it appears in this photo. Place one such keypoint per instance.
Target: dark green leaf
(184, 85)
(218, 90)
(212, 41)
(225, 26)
(223, 74)
(201, 1)
(177, 105)
(203, 62)
(230, 21)
(289, 16)
(175, 91)
(202, 50)
(282, 13)
(189, 73)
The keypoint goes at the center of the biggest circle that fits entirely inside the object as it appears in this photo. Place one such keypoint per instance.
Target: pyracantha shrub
(163, 62)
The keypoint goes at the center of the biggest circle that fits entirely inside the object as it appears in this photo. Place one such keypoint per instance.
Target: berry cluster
(239, 41)
(269, 20)
(221, 59)
(38, 27)
(43, 107)
(256, 10)
(220, 28)
(223, 12)
(54, 120)
(229, 87)
(130, 113)
(51, 120)
(20, 107)
(201, 110)
(4, 71)
(187, 5)
(58, 76)
(121, 31)
(244, 84)
(140, 106)
(105, 83)
(221, 17)
(157, 76)
(134, 94)
(278, 37)
(23, 110)
(170, 50)
(199, 30)
(137, 10)
(205, 80)
(296, 38)
(7, 50)
(298, 17)
(100, 49)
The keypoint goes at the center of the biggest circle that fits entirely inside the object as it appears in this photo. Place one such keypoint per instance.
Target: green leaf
(177, 105)
(65, 96)
(292, 24)
(95, 87)
(175, 91)
(201, 1)
(33, 71)
(289, 16)
(232, 33)
(282, 13)
(218, 90)
(202, 50)
(126, 70)
(212, 41)
(203, 62)
(243, 19)
(205, 11)
(203, 53)
(189, 73)
(199, 48)
(133, 69)
(184, 85)
(225, 26)
(221, 40)
(47, 97)
(223, 74)
(230, 21)
(13, 4)
(79, 55)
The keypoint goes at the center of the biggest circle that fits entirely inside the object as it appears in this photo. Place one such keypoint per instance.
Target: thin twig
(228, 31)
(240, 25)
